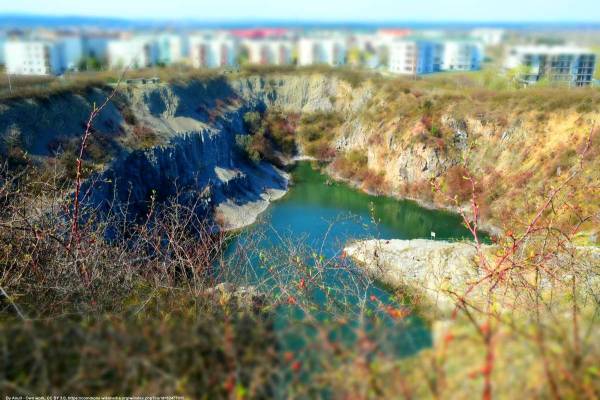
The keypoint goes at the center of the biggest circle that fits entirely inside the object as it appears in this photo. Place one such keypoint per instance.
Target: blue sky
(319, 10)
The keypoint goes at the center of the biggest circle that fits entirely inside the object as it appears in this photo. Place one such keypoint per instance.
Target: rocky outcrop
(245, 297)
(194, 125)
(437, 270)
(421, 162)
(200, 168)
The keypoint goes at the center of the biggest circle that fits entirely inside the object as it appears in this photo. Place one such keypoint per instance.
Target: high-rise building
(322, 50)
(571, 66)
(32, 57)
(134, 52)
(414, 56)
(213, 50)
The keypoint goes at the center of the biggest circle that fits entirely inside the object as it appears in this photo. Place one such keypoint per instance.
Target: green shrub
(252, 121)
(317, 130)
(280, 128)
(245, 144)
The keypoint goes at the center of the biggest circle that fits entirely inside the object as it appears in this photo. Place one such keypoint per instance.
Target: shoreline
(238, 216)
(242, 216)
(484, 226)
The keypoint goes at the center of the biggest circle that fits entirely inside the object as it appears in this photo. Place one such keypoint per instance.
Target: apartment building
(32, 57)
(325, 50)
(213, 50)
(269, 51)
(415, 56)
(170, 48)
(461, 55)
(133, 52)
(566, 65)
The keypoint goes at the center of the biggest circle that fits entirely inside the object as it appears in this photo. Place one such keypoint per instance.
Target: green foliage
(316, 132)
(246, 144)
(90, 64)
(281, 129)
(13, 138)
(252, 121)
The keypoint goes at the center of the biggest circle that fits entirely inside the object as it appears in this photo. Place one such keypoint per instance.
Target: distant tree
(384, 57)
(515, 75)
(13, 138)
(90, 63)
(355, 56)
(243, 56)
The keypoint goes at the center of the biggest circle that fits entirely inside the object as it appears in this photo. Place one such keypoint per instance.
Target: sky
(318, 10)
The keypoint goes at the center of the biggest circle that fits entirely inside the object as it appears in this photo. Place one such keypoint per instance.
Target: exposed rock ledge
(440, 271)
(269, 184)
(432, 268)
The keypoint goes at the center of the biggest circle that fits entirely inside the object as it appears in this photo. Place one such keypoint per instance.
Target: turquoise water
(312, 223)
(327, 216)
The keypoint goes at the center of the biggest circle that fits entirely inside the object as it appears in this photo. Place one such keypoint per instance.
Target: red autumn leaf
(296, 366)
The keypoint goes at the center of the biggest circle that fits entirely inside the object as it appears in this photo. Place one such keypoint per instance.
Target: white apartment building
(461, 55)
(32, 57)
(326, 50)
(213, 51)
(415, 57)
(134, 52)
(170, 48)
(569, 65)
(269, 51)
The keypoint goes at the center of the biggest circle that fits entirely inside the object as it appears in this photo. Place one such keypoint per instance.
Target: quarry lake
(325, 215)
(311, 224)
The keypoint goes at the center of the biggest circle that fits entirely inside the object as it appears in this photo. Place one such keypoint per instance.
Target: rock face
(40, 122)
(199, 170)
(194, 125)
(194, 159)
(421, 163)
(433, 268)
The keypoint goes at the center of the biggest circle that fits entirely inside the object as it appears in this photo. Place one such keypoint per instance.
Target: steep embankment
(163, 142)
(387, 136)
(517, 145)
